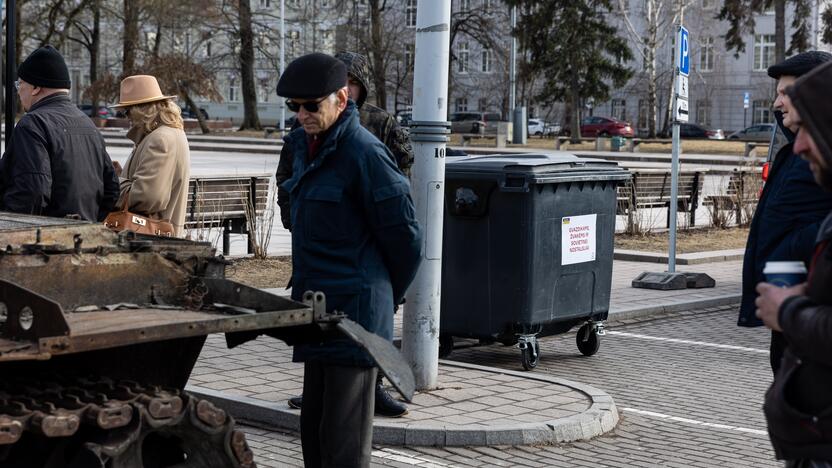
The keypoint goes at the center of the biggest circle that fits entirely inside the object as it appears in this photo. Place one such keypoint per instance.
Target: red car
(605, 126)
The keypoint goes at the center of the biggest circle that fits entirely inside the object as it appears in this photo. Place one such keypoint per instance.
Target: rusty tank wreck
(99, 333)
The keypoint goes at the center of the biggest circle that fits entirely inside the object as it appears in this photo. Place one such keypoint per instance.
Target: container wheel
(446, 346)
(588, 340)
(530, 355)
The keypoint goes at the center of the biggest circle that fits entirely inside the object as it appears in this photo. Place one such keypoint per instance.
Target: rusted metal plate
(97, 330)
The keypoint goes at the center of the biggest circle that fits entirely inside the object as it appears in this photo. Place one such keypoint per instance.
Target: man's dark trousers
(337, 415)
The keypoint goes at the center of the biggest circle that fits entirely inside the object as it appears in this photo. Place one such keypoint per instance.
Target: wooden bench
(633, 143)
(742, 193)
(222, 202)
(562, 142)
(651, 189)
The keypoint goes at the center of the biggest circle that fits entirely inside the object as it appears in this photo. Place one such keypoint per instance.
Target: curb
(639, 312)
(599, 418)
(683, 259)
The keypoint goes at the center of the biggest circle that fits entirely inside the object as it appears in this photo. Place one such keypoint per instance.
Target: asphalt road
(689, 390)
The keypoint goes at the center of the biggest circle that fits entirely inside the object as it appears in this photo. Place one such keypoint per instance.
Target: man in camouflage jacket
(380, 123)
(384, 127)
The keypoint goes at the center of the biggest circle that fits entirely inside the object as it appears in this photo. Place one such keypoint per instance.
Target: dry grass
(694, 240)
(271, 272)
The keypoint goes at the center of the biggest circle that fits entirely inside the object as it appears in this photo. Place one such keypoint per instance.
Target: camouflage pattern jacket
(380, 123)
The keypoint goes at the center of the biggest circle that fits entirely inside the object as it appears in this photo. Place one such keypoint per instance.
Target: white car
(538, 127)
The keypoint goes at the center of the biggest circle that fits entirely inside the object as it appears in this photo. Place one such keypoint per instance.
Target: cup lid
(784, 267)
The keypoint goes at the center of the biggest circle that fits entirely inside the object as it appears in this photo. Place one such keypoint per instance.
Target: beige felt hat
(140, 89)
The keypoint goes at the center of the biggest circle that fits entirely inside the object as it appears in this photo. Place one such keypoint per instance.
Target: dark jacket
(381, 124)
(798, 405)
(355, 233)
(785, 224)
(57, 164)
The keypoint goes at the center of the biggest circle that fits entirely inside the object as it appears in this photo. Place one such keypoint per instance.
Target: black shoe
(386, 405)
(296, 402)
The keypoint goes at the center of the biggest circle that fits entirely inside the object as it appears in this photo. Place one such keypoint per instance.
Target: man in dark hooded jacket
(791, 206)
(797, 404)
(384, 127)
(56, 163)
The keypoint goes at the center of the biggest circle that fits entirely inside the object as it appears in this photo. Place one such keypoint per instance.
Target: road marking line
(695, 422)
(698, 343)
(407, 459)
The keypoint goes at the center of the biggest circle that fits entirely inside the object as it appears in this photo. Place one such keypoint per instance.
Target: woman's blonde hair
(149, 116)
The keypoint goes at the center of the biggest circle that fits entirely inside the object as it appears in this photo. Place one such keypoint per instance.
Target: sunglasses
(310, 106)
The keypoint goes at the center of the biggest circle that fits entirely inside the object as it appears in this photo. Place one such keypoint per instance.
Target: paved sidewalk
(474, 405)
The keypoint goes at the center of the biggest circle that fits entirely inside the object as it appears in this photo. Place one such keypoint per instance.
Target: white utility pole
(429, 130)
(512, 66)
(282, 125)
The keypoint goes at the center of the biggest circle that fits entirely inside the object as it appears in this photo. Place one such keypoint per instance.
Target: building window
(763, 51)
(703, 112)
(233, 90)
(707, 4)
(410, 13)
(619, 109)
(265, 3)
(761, 112)
(293, 41)
(487, 60)
(464, 5)
(482, 104)
(409, 57)
(486, 6)
(462, 104)
(462, 58)
(327, 40)
(643, 113)
(706, 54)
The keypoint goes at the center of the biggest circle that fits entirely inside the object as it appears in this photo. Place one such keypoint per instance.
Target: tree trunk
(95, 47)
(203, 125)
(130, 37)
(377, 52)
(575, 118)
(779, 31)
(251, 120)
(157, 43)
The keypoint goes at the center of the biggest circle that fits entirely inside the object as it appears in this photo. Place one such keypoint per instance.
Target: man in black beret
(791, 206)
(56, 163)
(355, 238)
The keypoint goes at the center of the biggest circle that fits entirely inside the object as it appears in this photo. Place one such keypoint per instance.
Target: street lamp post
(429, 130)
(282, 61)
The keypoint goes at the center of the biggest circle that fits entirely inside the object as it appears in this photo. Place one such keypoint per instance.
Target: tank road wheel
(588, 340)
(530, 355)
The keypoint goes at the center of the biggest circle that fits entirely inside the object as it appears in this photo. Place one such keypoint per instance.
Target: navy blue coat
(785, 224)
(354, 233)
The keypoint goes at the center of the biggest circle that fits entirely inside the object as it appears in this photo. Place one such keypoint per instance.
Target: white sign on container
(578, 239)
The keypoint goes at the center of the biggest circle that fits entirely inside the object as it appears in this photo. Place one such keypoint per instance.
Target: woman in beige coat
(155, 177)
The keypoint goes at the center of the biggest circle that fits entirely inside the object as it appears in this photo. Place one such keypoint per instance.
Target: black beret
(45, 67)
(312, 76)
(799, 64)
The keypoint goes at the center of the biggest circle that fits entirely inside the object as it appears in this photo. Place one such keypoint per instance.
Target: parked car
(605, 126)
(761, 132)
(474, 122)
(103, 112)
(538, 127)
(692, 130)
(188, 114)
(404, 118)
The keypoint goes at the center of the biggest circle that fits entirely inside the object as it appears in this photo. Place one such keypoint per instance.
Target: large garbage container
(527, 249)
(617, 143)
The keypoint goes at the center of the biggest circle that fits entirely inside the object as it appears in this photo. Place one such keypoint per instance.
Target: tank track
(100, 423)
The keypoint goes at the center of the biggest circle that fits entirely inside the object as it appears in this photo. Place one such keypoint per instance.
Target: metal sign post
(680, 115)
(11, 70)
(745, 101)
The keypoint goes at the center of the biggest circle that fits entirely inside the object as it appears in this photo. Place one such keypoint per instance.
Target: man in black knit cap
(56, 163)
(791, 206)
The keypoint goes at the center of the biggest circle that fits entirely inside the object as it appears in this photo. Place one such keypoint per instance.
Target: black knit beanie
(799, 64)
(46, 68)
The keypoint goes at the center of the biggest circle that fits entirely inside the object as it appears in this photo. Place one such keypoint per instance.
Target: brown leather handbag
(125, 220)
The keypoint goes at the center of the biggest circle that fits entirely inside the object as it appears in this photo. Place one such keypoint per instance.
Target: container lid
(520, 170)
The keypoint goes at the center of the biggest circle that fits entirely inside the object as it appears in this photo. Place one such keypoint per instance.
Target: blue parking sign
(683, 60)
